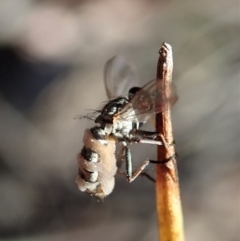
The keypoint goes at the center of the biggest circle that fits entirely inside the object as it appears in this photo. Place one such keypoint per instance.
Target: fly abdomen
(89, 155)
(97, 163)
(86, 170)
(88, 176)
(99, 135)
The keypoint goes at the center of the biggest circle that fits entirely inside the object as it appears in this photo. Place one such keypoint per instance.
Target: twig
(169, 211)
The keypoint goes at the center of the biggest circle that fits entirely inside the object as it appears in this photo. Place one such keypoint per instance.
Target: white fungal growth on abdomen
(97, 175)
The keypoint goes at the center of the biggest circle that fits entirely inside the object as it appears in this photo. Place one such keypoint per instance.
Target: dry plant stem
(169, 211)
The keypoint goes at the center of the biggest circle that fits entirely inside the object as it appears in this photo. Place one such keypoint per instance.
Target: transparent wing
(146, 102)
(119, 77)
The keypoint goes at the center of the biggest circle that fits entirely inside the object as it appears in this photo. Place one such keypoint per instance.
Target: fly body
(119, 121)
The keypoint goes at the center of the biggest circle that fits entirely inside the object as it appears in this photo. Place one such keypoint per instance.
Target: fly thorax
(109, 111)
(108, 128)
(123, 127)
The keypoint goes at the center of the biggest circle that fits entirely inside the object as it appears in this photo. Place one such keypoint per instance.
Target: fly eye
(133, 91)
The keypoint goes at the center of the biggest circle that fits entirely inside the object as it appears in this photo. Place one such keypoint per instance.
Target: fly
(119, 120)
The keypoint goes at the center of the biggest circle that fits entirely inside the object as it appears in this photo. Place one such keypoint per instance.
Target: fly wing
(148, 101)
(119, 77)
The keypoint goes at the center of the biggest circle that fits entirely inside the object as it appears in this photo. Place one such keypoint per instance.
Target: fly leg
(120, 159)
(149, 177)
(131, 176)
(148, 138)
(126, 154)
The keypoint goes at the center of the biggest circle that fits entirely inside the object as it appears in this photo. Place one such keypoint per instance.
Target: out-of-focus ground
(51, 69)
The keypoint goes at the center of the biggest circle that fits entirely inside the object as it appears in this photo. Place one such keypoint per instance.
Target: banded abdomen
(97, 163)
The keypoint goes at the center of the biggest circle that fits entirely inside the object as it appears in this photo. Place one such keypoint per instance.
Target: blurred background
(52, 55)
